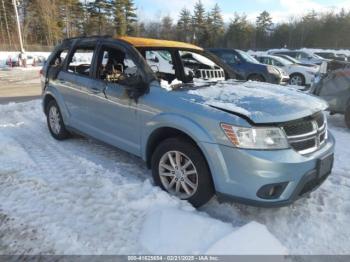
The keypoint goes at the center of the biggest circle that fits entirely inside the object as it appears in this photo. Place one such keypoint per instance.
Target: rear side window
(59, 58)
(81, 61)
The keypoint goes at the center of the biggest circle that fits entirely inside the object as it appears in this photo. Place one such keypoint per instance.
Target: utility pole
(6, 23)
(18, 25)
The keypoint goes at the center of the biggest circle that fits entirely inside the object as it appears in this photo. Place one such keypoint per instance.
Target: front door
(116, 114)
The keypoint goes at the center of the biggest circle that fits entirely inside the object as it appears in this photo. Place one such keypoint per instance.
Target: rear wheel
(257, 78)
(347, 116)
(179, 168)
(297, 80)
(55, 121)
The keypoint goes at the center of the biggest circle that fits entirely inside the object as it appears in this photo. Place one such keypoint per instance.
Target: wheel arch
(46, 100)
(257, 74)
(162, 133)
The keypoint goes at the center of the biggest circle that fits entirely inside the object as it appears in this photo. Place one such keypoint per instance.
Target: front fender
(179, 122)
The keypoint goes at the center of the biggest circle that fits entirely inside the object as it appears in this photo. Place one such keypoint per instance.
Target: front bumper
(239, 174)
(277, 79)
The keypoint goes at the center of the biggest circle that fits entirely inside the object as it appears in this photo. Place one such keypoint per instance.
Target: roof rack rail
(87, 36)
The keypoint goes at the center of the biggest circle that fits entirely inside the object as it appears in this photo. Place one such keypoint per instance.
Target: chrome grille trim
(317, 137)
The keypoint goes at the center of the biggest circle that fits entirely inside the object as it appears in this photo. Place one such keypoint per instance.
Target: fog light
(272, 191)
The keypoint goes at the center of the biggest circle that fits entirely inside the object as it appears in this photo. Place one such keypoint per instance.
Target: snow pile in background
(173, 231)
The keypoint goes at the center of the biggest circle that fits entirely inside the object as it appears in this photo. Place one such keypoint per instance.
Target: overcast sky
(279, 9)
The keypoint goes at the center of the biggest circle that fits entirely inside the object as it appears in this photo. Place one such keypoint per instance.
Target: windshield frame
(179, 67)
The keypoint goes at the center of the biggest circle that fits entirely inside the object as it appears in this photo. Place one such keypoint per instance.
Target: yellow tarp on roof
(148, 42)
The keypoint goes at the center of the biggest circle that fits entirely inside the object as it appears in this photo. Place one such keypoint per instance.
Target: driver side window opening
(115, 65)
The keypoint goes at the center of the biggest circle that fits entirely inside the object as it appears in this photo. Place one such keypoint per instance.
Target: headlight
(256, 137)
(273, 70)
(311, 72)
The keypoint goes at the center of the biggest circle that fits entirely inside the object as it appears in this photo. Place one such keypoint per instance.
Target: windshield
(247, 57)
(193, 67)
(289, 58)
(283, 61)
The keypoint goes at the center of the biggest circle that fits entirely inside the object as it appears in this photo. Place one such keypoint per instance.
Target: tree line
(47, 22)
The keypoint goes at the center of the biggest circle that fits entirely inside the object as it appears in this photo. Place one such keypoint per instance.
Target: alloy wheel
(55, 119)
(178, 174)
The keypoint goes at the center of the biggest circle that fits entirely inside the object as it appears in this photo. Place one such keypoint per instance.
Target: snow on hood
(261, 102)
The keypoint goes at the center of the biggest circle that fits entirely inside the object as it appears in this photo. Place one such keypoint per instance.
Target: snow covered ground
(81, 197)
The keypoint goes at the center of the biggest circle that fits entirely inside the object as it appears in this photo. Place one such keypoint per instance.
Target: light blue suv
(176, 107)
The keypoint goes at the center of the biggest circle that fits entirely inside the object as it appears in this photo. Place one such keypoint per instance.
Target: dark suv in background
(248, 68)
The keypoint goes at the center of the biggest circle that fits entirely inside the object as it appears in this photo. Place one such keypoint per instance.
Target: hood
(260, 102)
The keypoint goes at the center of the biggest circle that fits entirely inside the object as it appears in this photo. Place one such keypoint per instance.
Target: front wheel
(297, 80)
(179, 168)
(55, 121)
(347, 116)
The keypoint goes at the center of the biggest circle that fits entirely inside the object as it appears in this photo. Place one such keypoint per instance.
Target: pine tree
(263, 27)
(130, 16)
(184, 26)
(217, 25)
(167, 28)
(125, 17)
(100, 13)
(120, 18)
(198, 22)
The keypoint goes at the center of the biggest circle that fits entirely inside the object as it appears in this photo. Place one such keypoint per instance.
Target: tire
(347, 116)
(197, 188)
(297, 79)
(255, 77)
(55, 121)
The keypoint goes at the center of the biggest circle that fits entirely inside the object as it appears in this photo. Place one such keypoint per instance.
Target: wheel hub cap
(54, 119)
(178, 174)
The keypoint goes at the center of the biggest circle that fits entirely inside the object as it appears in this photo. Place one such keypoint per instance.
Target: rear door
(77, 85)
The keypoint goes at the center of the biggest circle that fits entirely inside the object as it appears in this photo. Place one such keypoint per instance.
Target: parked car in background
(253, 142)
(331, 56)
(302, 56)
(299, 75)
(297, 62)
(248, 68)
(346, 58)
(13, 61)
(335, 89)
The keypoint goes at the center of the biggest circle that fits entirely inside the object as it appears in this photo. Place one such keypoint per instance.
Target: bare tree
(6, 23)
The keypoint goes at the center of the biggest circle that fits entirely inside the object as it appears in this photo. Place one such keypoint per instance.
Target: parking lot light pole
(18, 25)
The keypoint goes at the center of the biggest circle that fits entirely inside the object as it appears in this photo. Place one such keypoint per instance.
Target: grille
(307, 135)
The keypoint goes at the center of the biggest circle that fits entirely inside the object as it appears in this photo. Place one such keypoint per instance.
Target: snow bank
(81, 197)
(174, 231)
(250, 239)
